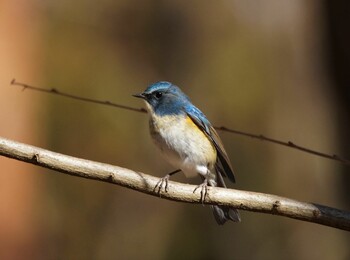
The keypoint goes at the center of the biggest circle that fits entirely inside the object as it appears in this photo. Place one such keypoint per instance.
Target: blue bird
(188, 142)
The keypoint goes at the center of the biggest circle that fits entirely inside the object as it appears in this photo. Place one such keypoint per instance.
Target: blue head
(164, 98)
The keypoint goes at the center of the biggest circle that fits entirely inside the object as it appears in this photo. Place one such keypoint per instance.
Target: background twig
(244, 200)
(221, 128)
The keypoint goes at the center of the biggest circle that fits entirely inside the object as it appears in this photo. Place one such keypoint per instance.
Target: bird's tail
(224, 213)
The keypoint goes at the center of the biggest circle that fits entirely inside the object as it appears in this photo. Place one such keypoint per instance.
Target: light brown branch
(244, 200)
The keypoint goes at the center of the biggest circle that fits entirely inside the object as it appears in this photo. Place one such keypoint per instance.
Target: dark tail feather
(224, 213)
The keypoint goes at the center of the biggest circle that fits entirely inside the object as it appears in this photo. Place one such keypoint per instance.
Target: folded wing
(223, 165)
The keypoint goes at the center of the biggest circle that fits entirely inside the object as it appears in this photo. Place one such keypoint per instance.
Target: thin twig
(288, 144)
(59, 93)
(221, 128)
(244, 200)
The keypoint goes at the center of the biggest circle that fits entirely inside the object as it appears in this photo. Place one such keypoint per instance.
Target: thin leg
(165, 181)
(204, 190)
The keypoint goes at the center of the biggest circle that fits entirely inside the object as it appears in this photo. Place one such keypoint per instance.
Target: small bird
(188, 142)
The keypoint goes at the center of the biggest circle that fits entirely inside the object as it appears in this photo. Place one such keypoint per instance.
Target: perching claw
(164, 180)
(204, 190)
(160, 184)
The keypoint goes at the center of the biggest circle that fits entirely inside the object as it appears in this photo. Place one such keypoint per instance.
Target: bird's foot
(204, 190)
(163, 182)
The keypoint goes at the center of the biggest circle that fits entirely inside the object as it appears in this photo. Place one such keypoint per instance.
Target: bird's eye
(158, 94)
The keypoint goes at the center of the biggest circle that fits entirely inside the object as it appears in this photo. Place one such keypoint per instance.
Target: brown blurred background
(278, 68)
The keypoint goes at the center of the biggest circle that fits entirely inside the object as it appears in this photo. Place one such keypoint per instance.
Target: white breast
(183, 144)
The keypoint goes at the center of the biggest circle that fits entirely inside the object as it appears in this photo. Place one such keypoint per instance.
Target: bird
(189, 142)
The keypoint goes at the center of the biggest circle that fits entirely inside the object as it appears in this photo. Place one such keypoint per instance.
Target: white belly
(183, 145)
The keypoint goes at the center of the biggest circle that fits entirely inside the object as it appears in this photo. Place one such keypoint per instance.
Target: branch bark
(244, 200)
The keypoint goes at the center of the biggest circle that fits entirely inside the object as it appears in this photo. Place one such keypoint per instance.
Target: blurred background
(278, 68)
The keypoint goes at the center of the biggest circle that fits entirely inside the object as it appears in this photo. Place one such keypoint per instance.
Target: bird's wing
(223, 162)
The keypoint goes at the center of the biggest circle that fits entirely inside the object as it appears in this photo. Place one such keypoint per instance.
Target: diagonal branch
(244, 200)
(221, 128)
(287, 144)
(67, 95)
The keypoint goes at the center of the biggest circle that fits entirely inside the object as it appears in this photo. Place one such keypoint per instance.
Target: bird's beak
(141, 95)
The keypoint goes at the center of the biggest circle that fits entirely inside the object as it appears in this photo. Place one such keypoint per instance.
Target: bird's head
(163, 98)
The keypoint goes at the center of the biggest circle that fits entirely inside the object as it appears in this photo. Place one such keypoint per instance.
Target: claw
(163, 181)
(160, 184)
(204, 190)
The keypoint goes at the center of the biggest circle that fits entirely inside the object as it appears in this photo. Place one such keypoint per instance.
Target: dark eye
(158, 94)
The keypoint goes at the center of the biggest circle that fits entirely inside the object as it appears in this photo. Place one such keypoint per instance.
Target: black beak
(141, 95)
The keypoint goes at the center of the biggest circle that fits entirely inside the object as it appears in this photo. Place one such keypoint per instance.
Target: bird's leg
(204, 190)
(206, 176)
(165, 181)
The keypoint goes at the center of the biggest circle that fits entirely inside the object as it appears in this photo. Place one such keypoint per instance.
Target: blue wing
(223, 164)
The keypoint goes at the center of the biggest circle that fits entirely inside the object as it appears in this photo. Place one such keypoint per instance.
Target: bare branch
(221, 128)
(67, 95)
(288, 144)
(244, 200)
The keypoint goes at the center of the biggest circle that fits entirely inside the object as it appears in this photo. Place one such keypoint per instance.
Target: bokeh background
(278, 68)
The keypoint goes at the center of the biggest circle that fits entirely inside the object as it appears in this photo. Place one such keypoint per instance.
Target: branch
(287, 144)
(244, 200)
(67, 95)
(221, 128)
